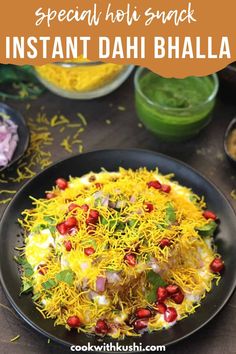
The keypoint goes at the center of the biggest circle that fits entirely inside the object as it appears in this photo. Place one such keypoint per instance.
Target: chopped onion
(97, 195)
(92, 294)
(105, 201)
(154, 265)
(132, 199)
(121, 204)
(101, 284)
(8, 141)
(112, 277)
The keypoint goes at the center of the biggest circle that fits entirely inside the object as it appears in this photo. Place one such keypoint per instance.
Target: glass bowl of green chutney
(174, 109)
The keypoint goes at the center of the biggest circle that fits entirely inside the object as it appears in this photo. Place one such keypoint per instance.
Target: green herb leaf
(20, 260)
(120, 226)
(155, 280)
(151, 295)
(133, 223)
(112, 223)
(207, 230)
(98, 202)
(27, 287)
(193, 198)
(103, 221)
(49, 284)
(162, 226)
(36, 296)
(38, 228)
(67, 276)
(49, 220)
(28, 270)
(170, 214)
(52, 229)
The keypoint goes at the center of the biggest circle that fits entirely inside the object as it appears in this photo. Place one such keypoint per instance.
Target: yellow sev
(80, 78)
(129, 228)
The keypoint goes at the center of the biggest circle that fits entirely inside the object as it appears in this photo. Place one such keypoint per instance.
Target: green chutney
(174, 109)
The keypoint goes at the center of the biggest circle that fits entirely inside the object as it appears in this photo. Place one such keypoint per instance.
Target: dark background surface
(205, 153)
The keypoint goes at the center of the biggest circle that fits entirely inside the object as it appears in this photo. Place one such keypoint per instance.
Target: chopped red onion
(101, 284)
(132, 199)
(8, 141)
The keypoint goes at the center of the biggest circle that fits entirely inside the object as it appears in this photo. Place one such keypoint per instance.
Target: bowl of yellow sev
(82, 79)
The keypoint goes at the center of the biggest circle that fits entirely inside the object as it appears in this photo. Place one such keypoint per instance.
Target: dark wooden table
(205, 153)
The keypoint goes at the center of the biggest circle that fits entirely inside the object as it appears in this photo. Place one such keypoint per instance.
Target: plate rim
(120, 150)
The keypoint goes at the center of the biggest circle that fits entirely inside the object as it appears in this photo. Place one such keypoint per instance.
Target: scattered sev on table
(43, 132)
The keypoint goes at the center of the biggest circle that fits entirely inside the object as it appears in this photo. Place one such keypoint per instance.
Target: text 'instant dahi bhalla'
(130, 47)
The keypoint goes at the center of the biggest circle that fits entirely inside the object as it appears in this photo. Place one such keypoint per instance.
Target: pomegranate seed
(98, 185)
(61, 183)
(94, 214)
(161, 307)
(62, 229)
(217, 265)
(73, 321)
(162, 293)
(209, 215)
(172, 289)
(85, 207)
(178, 298)
(101, 327)
(170, 315)
(50, 195)
(166, 188)
(154, 184)
(68, 245)
(89, 250)
(72, 206)
(165, 242)
(142, 313)
(130, 259)
(149, 207)
(42, 269)
(91, 220)
(140, 324)
(71, 222)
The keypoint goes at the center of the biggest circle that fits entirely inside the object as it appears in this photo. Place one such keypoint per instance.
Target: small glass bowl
(170, 123)
(94, 71)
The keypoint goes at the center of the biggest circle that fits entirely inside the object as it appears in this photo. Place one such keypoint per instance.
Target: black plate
(22, 131)
(111, 160)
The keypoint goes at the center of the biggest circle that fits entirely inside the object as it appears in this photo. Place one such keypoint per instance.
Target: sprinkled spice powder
(44, 132)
